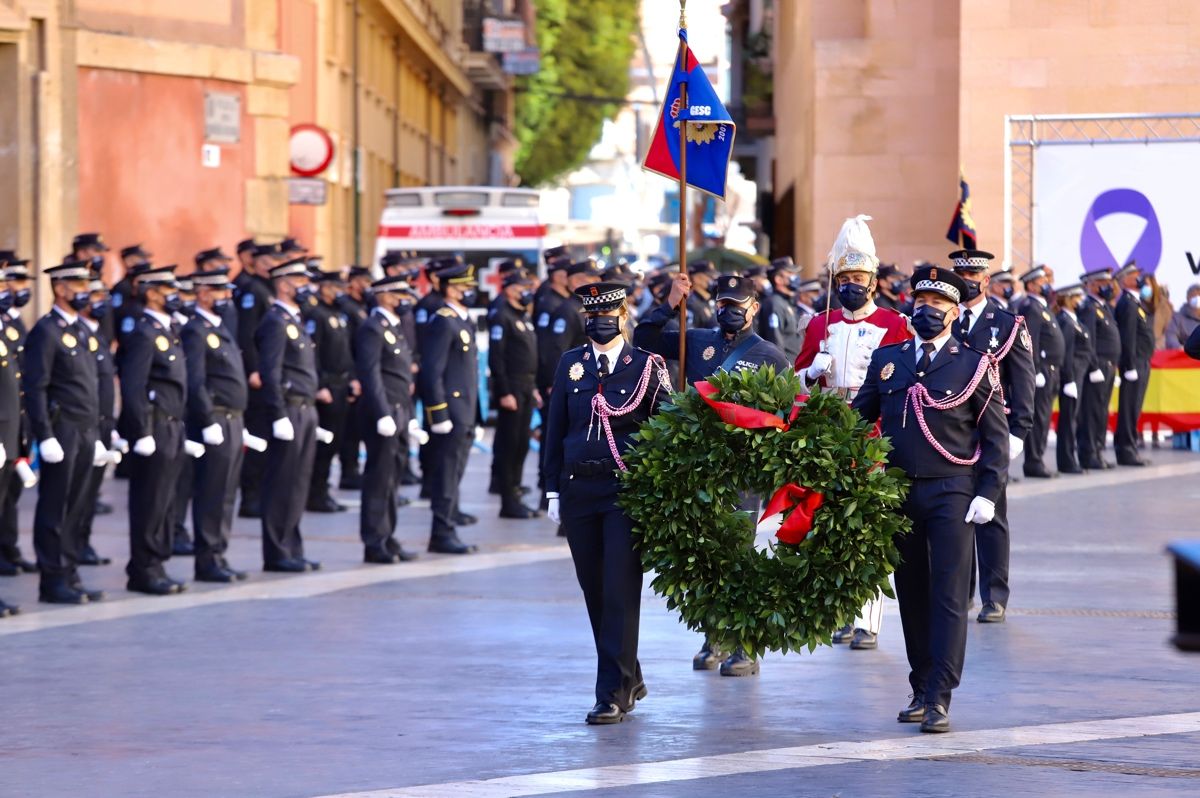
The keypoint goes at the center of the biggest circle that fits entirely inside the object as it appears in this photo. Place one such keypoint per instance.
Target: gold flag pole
(681, 60)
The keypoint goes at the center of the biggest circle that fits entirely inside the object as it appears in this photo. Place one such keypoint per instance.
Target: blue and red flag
(710, 129)
(962, 226)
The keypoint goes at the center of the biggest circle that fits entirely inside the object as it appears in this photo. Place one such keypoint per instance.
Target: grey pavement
(438, 676)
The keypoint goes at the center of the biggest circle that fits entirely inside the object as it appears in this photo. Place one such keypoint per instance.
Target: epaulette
(447, 312)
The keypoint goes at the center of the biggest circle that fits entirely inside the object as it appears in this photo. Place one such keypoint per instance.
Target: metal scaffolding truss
(1024, 134)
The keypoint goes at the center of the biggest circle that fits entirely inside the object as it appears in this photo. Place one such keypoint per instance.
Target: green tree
(586, 47)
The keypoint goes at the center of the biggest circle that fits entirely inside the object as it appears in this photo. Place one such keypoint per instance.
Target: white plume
(854, 235)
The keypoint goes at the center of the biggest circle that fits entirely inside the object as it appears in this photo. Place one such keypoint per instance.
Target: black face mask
(973, 289)
(1008, 291)
(303, 294)
(172, 303)
(80, 300)
(1046, 290)
(853, 296)
(6, 301)
(100, 309)
(1106, 291)
(468, 297)
(603, 329)
(793, 282)
(21, 297)
(897, 287)
(731, 318)
(525, 299)
(221, 305)
(405, 306)
(928, 322)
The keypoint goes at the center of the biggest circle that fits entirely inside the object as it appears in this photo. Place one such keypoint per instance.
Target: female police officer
(602, 392)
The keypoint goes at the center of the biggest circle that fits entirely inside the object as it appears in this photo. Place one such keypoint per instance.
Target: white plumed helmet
(854, 248)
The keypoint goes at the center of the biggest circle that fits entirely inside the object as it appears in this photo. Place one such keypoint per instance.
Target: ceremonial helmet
(854, 248)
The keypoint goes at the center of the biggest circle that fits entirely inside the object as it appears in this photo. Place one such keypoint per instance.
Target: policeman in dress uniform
(1135, 321)
(329, 329)
(181, 538)
(583, 487)
(958, 473)
(513, 362)
(566, 321)
(449, 391)
(1077, 357)
(1096, 316)
(1048, 353)
(779, 322)
(12, 561)
(702, 313)
(216, 406)
(60, 384)
(153, 404)
(127, 305)
(253, 300)
(1003, 288)
(288, 367)
(503, 270)
(425, 310)
(987, 328)
(10, 417)
(383, 362)
(353, 303)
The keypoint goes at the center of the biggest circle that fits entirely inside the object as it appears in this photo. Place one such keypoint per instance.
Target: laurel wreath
(688, 474)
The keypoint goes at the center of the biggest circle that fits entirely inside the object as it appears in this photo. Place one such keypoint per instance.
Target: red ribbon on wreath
(803, 503)
(742, 416)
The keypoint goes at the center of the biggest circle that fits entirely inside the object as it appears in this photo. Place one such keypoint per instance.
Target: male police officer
(927, 379)
(701, 311)
(1077, 359)
(353, 303)
(60, 387)
(329, 328)
(12, 561)
(10, 430)
(448, 387)
(513, 362)
(216, 405)
(1096, 316)
(566, 321)
(383, 364)
(253, 300)
(1136, 326)
(987, 328)
(779, 322)
(1047, 340)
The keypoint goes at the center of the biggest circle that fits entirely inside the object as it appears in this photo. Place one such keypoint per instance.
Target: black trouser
(541, 483)
(381, 478)
(215, 488)
(609, 571)
(1093, 416)
(284, 492)
(992, 545)
(348, 446)
(1039, 434)
(511, 446)
(446, 461)
(254, 464)
(1130, 396)
(60, 491)
(184, 485)
(1067, 429)
(152, 482)
(933, 584)
(332, 417)
(10, 527)
(85, 514)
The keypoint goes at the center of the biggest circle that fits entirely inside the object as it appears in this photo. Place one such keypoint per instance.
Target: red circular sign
(311, 150)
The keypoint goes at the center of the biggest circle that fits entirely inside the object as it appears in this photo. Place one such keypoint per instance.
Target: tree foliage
(586, 47)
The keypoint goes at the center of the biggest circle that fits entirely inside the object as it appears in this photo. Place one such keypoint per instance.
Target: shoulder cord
(604, 411)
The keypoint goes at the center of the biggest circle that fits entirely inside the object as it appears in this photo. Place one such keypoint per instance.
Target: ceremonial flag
(962, 226)
(710, 129)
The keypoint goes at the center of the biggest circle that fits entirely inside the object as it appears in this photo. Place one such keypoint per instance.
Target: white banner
(1101, 204)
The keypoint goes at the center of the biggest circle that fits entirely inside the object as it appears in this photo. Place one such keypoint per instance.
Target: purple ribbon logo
(1148, 249)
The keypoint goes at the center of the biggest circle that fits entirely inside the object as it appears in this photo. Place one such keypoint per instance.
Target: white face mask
(1195, 302)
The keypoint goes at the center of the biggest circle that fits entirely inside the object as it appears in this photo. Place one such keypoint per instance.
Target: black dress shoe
(708, 658)
(864, 640)
(325, 505)
(404, 554)
(103, 507)
(8, 569)
(9, 609)
(90, 557)
(1070, 470)
(991, 613)
(155, 586)
(25, 565)
(936, 720)
(739, 664)
(450, 545)
(216, 573)
(93, 595)
(313, 565)
(408, 478)
(249, 511)
(605, 713)
(914, 712)
(180, 585)
(1138, 462)
(182, 547)
(377, 557)
(520, 512)
(240, 576)
(402, 500)
(1039, 472)
(464, 519)
(296, 566)
(1095, 465)
(61, 594)
(350, 482)
(843, 635)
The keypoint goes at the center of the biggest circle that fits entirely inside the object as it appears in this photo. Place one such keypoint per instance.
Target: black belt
(229, 412)
(592, 468)
(158, 414)
(299, 401)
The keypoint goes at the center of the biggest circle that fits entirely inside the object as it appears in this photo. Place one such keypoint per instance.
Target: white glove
(981, 511)
(1040, 380)
(253, 442)
(822, 363)
(324, 436)
(386, 426)
(1071, 390)
(283, 430)
(25, 473)
(552, 510)
(442, 427)
(193, 449)
(144, 446)
(3, 455)
(478, 434)
(1131, 375)
(51, 451)
(212, 435)
(1015, 447)
(1096, 376)
(119, 444)
(100, 456)
(115, 457)
(416, 433)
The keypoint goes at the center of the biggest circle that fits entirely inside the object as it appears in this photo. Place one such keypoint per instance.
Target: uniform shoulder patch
(311, 327)
(117, 299)
(497, 332)
(127, 324)
(773, 321)
(560, 326)
(1026, 340)
(247, 300)
(543, 319)
(447, 312)
(421, 316)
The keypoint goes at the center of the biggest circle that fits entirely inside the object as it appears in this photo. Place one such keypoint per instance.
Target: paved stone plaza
(471, 676)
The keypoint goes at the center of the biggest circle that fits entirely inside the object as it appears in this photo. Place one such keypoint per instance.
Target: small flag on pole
(710, 129)
(962, 226)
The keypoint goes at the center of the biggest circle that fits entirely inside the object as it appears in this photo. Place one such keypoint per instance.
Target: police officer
(127, 305)
(989, 329)
(448, 387)
(892, 284)
(60, 384)
(779, 323)
(566, 323)
(337, 388)
(216, 406)
(923, 378)
(353, 304)
(702, 312)
(288, 368)
(549, 295)
(181, 538)
(12, 336)
(1048, 354)
(1003, 288)
(253, 300)
(10, 419)
(1135, 322)
(383, 363)
(245, 272)
(1096, 316)
(513, 361)
(1077, 359)
(583, 487)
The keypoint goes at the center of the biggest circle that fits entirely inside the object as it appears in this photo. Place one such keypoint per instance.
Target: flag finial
(683, 14)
